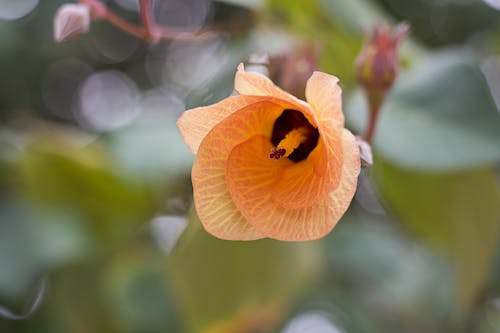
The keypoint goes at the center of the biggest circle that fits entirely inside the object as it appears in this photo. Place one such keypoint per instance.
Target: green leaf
(441, 116)
(31, 244)
(456, 213)
(374, 269)
(354, 15)
(316, 22)
(152, 149)
(236, 286)
(134, 288)
(83, 182)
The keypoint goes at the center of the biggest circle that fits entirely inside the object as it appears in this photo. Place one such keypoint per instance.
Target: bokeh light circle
(311, 322)
(15, 9)
(107, 100)
(61, 85)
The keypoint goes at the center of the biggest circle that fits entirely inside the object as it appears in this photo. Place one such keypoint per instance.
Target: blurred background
(97, 227)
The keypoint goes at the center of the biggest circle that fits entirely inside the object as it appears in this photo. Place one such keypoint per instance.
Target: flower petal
(251, 174)
(326, 114)
(195, 124)
(253, 198)
(299, 185)
(213, 202)
(324, 95)
(256, 84)
(305, 183)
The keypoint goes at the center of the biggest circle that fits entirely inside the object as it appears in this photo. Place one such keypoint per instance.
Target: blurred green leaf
(152, 149)
(354, 15)
(445, 21)
(83, 182)
(78, 301)
(31, 244)
(488, 318)
(441, 116)
(136, 293)
(122, 292)
(229, 286)
(339, 38)
(457, 213)
(375, 272)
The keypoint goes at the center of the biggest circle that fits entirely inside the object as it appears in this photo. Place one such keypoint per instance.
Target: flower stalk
(147, 30)
(147, 19)
(375, 101)
(377, 69)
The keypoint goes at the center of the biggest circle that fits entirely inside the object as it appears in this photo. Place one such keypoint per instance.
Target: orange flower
(270, 165)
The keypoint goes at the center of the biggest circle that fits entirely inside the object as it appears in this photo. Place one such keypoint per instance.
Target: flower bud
(70, 21)
(290, 70)
(377, 63)
(377, 68)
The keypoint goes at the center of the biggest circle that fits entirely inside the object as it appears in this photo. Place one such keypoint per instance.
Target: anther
(277, 153)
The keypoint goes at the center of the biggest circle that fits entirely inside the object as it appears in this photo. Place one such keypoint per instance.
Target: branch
(148, 30)
(147, 20)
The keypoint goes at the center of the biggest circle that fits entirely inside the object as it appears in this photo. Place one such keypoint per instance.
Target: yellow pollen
(292, 140)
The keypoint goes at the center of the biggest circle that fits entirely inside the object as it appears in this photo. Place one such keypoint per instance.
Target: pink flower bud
(377, 63)
(377, 68)
(290, 70)
(70, 21)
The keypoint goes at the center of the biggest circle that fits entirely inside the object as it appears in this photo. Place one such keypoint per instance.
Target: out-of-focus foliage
(319, 21)
(445, 21)
(437, 129)
(95, 188)
(462, 215)
(81, 182)
(211, 278)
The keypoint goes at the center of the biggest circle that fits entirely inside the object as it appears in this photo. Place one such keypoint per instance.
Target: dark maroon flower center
(287, 122)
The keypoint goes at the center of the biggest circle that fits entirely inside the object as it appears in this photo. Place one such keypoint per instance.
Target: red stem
(372, 124)
(147, 31)
(147, 20)
(120, 23)
(375, 102)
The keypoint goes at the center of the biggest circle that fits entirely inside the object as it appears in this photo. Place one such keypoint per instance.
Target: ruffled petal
(339, 200)
(195, 124)
(323, 93)
(300, 185)
(213, 202)
(271, 219)
(256, 84)
(251, 174)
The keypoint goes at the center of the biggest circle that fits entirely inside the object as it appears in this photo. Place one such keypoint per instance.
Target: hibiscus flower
(270, 165)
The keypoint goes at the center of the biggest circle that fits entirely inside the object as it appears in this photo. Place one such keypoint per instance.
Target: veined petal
(305, 183)
(251, 174)
(324, 95)
(256, 84)
(339, 200)
(249, 83)
(195, 124)
(213, 202)
(299, 185)
(328, 155)
(271, 219)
